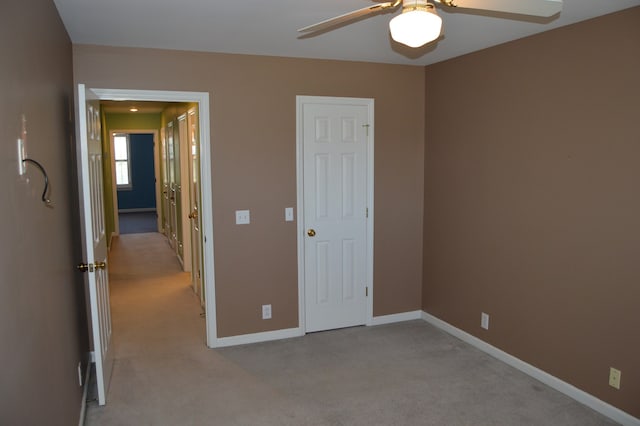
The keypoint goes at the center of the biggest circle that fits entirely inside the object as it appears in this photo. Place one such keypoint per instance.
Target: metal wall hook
(46, 181)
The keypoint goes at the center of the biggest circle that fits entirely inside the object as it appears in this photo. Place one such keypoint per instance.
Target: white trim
(400, 317)
(184, 145)
(202, 99)
(571, 391)
(300, 214)
(370, 104)
(370, 210)
(243, 339)
(141, 210)
(85, 391)
(265, 336)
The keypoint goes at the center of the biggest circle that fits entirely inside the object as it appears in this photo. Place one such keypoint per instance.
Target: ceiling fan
(419, 24)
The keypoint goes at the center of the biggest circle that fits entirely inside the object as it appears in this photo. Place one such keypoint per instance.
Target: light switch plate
(288, 214)
(243, 217)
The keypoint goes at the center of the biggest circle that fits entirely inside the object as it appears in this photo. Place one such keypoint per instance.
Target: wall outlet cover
(80, 374)
(614, 377)
(484, 321)
(266, 311)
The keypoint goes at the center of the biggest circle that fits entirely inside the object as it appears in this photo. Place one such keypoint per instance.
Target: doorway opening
(177, 186)
(134, 179)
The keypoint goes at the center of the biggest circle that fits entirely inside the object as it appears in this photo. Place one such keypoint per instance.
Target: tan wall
(532, 203)
(254, 167)
(43, 332)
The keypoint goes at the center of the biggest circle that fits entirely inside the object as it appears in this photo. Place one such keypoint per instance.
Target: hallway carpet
(399, 374)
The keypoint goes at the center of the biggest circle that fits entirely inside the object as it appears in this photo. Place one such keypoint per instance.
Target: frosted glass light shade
(415, 28)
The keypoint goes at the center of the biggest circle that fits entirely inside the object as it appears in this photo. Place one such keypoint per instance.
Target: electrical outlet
(266, 311)
(484, 321)
(614, 377)
(80, 373)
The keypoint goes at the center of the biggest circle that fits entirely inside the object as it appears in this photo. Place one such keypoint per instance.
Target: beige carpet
(400, 374)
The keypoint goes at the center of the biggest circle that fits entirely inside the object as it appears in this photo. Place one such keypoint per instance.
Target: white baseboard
(140, 210)
(85, 391)
(571, 391)
(388, 319)
(265, 336)
(288, 333)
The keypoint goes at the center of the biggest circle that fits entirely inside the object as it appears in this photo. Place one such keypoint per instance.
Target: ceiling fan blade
(349, 16)
(543, 8)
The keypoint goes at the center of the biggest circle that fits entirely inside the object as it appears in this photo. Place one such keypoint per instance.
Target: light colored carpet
(400, 374)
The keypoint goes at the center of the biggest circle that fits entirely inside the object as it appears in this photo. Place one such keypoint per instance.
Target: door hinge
(366, 212)
(366, 126)
(366, 292)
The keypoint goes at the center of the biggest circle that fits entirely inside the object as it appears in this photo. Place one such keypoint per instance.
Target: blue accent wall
(142, 194)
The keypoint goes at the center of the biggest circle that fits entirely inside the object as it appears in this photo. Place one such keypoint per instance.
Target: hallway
(157, 327)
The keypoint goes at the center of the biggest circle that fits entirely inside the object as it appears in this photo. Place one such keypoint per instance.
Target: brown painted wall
(43, 334)
(254, 167)
(532, 206)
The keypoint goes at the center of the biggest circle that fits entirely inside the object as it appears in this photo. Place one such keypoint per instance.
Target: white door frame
(202, 99)
(300, 102)
(185, 207)
(156, 173)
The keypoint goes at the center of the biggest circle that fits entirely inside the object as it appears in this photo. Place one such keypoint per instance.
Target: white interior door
(90, 163)
(194, 197)
(335, 144)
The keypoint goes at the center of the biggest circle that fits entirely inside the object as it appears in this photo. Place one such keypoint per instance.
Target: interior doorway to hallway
(204, 205)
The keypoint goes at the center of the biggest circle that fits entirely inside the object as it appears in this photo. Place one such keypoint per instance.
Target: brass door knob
(82, 267)
(193, 214)
(311, 233)
(101, 265)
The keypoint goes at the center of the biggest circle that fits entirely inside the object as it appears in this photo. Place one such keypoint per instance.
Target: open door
(94, 238)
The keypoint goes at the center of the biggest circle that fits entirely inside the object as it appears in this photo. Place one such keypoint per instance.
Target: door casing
(202, 99)
(300, 102)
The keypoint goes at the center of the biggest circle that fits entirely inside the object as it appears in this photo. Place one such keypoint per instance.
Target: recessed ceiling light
(133, 109)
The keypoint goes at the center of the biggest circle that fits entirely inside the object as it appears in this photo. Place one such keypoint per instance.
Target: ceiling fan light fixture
(416, 25)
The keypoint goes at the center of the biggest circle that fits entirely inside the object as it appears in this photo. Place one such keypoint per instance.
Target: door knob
(193, 214)
(311, 233)
(101, 265)
(82, 267)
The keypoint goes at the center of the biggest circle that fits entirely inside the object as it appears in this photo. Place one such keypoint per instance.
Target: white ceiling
(262, 27)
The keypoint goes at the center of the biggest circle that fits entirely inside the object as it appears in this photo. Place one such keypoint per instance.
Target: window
(123, 164)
